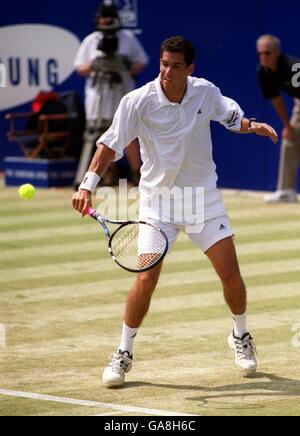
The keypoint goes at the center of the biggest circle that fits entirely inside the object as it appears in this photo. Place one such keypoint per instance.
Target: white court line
(86, 403)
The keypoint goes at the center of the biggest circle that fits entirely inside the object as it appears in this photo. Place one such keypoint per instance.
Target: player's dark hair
(179, 44)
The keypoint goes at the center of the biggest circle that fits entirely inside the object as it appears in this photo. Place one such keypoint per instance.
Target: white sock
(128, 336)
(240, 325)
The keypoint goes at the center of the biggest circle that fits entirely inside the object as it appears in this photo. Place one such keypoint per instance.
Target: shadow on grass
(235, 396)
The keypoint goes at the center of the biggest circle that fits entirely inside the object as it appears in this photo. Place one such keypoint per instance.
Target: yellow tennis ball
(27, 192)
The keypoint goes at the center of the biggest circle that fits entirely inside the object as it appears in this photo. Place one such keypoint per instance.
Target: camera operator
(110, 58)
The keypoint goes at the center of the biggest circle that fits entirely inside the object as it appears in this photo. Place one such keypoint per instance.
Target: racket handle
(91, 212)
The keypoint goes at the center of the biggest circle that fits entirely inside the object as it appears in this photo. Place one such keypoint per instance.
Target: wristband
(252, 120)
(90, 181)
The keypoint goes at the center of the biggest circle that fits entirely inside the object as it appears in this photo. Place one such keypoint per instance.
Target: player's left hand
(263, 129)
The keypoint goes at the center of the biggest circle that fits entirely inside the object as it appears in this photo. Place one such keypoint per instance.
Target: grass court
(62, 301)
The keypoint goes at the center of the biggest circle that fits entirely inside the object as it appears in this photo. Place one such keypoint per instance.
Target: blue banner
(225, 37)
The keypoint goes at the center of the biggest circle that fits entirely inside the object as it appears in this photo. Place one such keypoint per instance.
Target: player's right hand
(82, 201)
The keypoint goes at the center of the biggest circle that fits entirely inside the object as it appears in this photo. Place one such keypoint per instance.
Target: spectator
(110, 58)
(275, 76)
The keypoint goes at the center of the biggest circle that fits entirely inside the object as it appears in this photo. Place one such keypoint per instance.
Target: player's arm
(102, 159)
(111, 147)
(261, 129)
(82, 199)
(229, 114)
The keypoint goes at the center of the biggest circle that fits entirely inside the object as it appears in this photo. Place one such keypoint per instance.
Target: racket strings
(138, 246)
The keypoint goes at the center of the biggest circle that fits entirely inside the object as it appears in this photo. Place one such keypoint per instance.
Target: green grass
(62, 301)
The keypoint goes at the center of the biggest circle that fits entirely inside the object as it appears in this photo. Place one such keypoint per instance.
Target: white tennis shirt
(175, 139)
(129, 46)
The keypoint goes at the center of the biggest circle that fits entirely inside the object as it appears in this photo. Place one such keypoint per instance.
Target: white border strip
(86, 403)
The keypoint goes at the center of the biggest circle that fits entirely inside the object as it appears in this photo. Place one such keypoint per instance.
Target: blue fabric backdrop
(224, 34)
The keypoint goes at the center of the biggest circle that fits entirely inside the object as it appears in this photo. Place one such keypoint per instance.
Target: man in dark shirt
(277, 74)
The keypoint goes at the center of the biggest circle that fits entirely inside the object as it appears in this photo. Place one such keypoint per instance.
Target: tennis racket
(135, 246)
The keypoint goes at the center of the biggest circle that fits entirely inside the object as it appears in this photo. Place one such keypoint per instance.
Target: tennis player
(171, 117)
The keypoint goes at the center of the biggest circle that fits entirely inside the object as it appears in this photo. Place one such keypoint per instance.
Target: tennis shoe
(119, 366)
(245, 352)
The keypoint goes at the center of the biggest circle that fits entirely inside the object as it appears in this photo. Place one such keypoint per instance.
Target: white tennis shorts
(212, 232)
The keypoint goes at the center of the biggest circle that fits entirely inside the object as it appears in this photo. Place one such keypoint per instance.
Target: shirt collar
(163, 100)
(190, 92)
